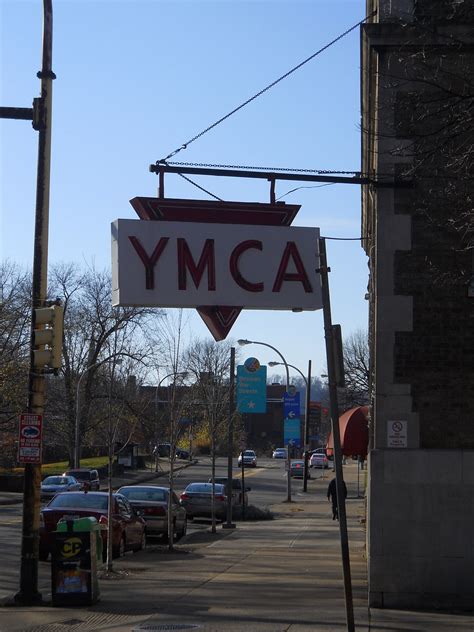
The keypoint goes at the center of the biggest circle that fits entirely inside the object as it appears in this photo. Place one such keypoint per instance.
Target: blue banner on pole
(292, 423)
(291, 432)
(291, 405)
(251, 387)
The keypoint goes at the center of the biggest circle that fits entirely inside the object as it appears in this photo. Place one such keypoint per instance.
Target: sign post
(332, 378)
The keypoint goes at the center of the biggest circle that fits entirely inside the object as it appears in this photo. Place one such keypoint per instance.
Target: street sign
(292, 421)
(397, 434)
(291, 405)
(188, 264)
(218, 318)
(30, 441)
(251, 387)
(292, 432)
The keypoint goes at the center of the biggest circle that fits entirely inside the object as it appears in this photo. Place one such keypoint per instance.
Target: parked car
(319, 459)
(297, 469)
(235, 488)
(52, 485)
(279, 453)
(163, 450)
(183, 454)
(128, 528)
(87, 477)
(248, 457)
(196, 499)
(152, 504)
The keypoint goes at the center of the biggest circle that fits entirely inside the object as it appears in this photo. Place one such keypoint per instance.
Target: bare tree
(15, 315)
(166, 349)
(208, 362)
(93, 331)
(356, 369)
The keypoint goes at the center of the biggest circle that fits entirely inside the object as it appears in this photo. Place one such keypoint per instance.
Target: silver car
(196, 499)
(52, 485)
(152, 504)
(236, 489)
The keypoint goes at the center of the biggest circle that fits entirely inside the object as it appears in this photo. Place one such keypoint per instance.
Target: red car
(128, 528)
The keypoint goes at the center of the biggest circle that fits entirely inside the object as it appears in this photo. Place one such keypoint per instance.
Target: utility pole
(332, 378)
(40, 115)
(306, 429)
(230, 443)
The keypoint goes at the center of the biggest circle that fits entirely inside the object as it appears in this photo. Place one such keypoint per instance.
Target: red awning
(354, 430)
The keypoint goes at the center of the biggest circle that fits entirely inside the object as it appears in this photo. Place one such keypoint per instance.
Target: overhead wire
(315, 186)
(270, 85)
(255, 96)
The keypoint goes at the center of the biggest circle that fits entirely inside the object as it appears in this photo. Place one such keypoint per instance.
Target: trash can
(76, 554)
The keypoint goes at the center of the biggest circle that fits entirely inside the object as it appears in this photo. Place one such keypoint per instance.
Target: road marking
(249, 473)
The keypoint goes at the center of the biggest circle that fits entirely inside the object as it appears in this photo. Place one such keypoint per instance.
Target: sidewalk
(278, 576)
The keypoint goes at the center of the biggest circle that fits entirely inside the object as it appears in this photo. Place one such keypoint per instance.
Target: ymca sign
(192, 264)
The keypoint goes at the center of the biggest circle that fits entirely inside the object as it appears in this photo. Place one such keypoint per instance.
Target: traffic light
(48, 336)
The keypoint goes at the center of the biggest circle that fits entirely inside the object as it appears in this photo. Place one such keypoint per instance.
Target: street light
(292, 366)
(173, 438)
(76, 430)
(183, 374)
(176, 374)
(242, 343)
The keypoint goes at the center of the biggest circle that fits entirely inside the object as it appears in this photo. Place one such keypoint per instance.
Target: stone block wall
(421, 547)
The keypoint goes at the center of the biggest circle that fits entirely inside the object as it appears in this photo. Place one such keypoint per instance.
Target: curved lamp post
(244, 342)
(76, 429)
(292, 366)
(173, 437)
(174, 374)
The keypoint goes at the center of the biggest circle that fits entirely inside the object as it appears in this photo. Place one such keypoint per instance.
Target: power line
(200, 187)
(271, 85)
(316, 186)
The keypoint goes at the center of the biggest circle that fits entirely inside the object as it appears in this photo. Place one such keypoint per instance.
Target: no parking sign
(30, 438)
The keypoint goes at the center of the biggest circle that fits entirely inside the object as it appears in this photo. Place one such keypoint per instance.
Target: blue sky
(136, 79)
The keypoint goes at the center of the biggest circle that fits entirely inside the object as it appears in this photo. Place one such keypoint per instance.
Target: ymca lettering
(207, 261)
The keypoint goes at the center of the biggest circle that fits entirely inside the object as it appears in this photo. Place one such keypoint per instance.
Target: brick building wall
(417, 120)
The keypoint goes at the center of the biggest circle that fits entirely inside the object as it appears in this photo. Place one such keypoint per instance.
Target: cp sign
(190, 264)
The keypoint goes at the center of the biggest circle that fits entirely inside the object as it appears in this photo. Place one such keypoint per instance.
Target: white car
(319, 459)
(279, 453)
(248, 457)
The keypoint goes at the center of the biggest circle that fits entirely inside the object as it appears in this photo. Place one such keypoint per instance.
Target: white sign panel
(189, 264)
(396, 434)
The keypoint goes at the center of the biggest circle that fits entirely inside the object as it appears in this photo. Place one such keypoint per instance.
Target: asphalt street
(268, 483)
(282, 575)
